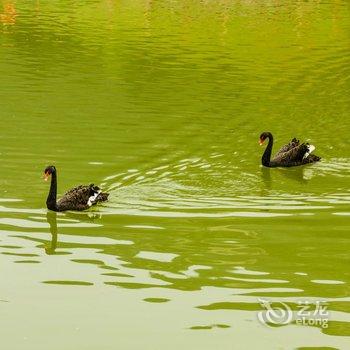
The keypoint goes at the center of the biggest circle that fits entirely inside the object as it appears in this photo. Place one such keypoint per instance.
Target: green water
(162, 104)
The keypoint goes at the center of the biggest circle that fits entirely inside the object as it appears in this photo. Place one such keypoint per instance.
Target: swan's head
(48, 171)
(263, 137)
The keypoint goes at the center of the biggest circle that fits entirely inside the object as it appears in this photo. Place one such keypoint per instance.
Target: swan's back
(297, 155)
(293, 143)
(81, 197)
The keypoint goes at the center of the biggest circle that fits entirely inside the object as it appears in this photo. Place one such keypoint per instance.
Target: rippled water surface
(162, 103)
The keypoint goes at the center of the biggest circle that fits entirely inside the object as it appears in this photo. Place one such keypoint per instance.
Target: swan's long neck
(265, 160)
(51, 198)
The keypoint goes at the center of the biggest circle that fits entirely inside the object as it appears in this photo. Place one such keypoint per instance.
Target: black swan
(292, 154)
(78, 198)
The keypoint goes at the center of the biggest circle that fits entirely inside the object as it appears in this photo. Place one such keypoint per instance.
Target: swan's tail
(310, 149)
(96, 196)
(310, 158)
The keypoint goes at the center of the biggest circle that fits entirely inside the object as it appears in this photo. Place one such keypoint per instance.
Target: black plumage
(292, 154)
(78, 198)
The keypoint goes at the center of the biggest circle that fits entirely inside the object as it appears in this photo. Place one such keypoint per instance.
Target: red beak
(261, 142)
(46, 176)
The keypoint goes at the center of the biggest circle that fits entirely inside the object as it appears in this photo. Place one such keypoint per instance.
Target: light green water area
(162, 104)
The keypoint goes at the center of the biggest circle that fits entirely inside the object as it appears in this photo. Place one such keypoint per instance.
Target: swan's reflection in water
(51, 218)
(232, 254)
(300, 174)
(84, 216)
(227, 263)
(266, 176)
(50, 247)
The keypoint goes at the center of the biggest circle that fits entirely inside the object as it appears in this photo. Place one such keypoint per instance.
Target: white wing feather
(311, 148)
(92, 198)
